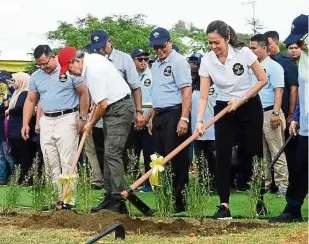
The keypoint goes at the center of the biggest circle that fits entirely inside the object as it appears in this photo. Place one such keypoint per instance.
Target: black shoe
(96, 187)
(118, 205)
(67, 206)
(105, 204)
(180, 208)
(286, 217)
(261, 210)
(222, 213)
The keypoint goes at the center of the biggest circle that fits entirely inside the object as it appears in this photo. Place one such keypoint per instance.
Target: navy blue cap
(138, 52)
(4, 75)
(175, 47)
(99, 39)
(298, 30)
(159, 37)
(197, 57)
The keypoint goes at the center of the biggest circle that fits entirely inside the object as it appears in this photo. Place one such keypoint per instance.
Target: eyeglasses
(42, 66)
(156, 47)
(142, 59)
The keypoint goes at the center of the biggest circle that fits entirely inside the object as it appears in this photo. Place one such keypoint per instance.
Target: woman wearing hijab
(7, 164)
(22, 151)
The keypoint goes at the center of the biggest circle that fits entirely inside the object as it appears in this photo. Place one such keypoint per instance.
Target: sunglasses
(156, 47)
(43, 65)
(142, 59)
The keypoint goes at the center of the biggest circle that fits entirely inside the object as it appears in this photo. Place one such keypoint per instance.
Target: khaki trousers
(96, 174)
(273, 140)
(59, 141)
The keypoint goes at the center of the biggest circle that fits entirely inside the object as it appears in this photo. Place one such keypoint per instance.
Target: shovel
(128, 192)
(66, 186)
(119, 233)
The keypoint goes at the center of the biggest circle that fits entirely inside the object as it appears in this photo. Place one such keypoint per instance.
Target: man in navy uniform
(171, 100)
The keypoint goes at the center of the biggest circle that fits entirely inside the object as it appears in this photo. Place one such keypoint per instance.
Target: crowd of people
(152, 106)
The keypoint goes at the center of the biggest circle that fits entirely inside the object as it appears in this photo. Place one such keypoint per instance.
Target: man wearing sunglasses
(64, 102)
(143, 140)
(171, 100)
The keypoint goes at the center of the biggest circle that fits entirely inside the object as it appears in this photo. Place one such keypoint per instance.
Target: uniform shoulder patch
(147, 82)
(238, 69)
(63, 77)
(167, 71)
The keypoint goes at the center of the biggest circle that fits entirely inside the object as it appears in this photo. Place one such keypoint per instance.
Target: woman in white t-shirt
(228, 66)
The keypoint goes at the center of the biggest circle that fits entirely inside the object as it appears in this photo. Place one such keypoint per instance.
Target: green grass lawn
(239, 202)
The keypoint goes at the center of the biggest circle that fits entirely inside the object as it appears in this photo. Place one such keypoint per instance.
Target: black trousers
(208, 148)
(98, 140)
(248, 118)
(23, 154)
(290, 153)
(298, 187)
(165, 140)
(144, 142)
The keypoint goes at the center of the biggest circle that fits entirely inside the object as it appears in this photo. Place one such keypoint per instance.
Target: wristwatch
(83, 118)
(276, 113)
(139, 111)
(185, 119)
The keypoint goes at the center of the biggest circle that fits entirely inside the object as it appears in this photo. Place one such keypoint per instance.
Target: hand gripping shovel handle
(76, 157)
(172, 154)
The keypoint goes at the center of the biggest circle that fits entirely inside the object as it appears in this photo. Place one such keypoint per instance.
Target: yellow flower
(157, 166)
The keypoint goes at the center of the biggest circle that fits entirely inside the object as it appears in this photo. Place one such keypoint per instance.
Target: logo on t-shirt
(147, 82)
(63, 77)
(238, 69)
(167, 71)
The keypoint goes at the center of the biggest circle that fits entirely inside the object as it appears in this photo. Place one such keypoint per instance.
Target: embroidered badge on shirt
(147, 82)
(211, 91)
(238, 69)
(63, 77)
(167, 71)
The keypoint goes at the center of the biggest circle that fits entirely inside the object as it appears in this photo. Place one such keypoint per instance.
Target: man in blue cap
(171, 100)
(143, 140)
(298, 187)
(102, 44)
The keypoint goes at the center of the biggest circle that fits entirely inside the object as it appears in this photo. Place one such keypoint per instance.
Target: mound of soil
(102, 220)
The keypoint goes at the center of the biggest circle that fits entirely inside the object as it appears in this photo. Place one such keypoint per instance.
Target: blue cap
(4, 75)
(197, 57)
(138, 52)
(98, 39)
(159, 37)
(175, 47)
(298, 30)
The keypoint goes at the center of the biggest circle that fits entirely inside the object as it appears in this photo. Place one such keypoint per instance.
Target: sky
(24, 23)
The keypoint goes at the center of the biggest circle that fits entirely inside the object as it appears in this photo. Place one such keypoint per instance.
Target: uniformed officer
(228, 66)
(143, 140)
(109, 91)
(102, 44)
(274, 120)
(298, 187)
(206, 143)
(171, 100)
(290, 93)
(61, 96)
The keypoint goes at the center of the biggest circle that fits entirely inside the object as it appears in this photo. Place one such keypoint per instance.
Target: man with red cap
(114, 104)
(65, 101)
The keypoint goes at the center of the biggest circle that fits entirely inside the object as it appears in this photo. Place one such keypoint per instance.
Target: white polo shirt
(103, 79)
(233, 79)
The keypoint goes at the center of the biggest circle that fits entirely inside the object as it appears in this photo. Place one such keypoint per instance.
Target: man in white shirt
(114, 104)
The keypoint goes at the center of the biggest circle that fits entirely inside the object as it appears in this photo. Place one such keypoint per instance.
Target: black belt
(167, 109)
(120, 100)
(56, 114)
(268, 108)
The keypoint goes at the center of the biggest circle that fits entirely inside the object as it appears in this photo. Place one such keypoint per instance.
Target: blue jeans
(6, 163)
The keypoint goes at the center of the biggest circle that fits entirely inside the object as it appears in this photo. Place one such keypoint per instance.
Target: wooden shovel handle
(76, 157)
(172, 154)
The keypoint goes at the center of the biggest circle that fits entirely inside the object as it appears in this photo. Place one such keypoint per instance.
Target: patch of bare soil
(102, 220)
